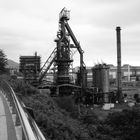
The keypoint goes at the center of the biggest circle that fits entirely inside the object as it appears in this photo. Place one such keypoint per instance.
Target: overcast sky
(27, 26)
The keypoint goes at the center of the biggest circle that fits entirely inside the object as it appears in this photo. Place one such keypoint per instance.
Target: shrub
(22, 88)
(123, 125)
(52, 120)
(67, 103)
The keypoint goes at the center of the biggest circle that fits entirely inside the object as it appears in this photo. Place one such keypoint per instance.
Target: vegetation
(58, 120)
(55, 123)
(3, 62)
(123, 125)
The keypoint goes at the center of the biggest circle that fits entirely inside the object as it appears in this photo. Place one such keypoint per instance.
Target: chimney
(119, 78)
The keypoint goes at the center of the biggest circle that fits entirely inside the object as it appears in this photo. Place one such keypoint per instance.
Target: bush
(22, 88)
(123, 125)
(57, 119)
(52, 120)
(67, 103)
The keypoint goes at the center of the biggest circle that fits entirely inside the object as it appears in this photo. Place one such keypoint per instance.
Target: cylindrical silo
(101, 79)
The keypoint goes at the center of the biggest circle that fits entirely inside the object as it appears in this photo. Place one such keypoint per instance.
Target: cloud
(30, 25)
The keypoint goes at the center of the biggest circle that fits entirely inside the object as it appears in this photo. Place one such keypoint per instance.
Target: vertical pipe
(119, 78)
(128, 73)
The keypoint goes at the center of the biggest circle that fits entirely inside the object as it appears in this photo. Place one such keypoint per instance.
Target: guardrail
(23, 118)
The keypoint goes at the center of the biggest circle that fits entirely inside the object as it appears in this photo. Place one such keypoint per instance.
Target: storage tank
(101, 77)
(101, 81)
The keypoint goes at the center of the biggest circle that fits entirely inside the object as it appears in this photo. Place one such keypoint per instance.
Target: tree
(3, 62)
(123, 125)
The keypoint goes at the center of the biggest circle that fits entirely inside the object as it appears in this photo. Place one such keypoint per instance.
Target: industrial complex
(58, 75)
(77, 75)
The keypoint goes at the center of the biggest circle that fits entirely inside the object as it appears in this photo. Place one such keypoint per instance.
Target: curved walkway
(7, 129)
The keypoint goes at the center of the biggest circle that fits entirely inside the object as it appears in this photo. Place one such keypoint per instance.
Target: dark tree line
(3, 62)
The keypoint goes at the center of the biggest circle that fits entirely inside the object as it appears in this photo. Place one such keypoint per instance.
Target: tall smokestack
(119, 78)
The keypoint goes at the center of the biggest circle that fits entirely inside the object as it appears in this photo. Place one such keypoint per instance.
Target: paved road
(7, 129)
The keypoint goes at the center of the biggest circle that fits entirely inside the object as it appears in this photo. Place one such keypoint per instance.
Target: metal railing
(23, 118)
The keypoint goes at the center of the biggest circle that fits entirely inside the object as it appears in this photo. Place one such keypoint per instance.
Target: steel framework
(61, 56)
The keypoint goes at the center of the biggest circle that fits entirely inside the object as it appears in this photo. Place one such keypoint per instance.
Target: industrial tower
(61, 57)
